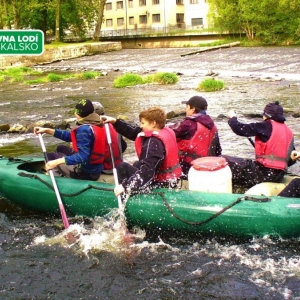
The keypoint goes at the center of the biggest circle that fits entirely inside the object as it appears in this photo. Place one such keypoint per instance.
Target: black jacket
(150, 160)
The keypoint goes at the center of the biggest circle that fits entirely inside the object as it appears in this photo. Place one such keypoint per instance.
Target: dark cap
(196, 101)
(84, 108)
(98, 108)
(273, 110)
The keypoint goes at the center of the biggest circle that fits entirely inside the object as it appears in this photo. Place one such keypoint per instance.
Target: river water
(37, 263)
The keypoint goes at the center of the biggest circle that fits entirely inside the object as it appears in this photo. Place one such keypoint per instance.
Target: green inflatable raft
(176, 212)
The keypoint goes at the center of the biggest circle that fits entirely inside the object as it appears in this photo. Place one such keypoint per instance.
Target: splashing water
(109, 233)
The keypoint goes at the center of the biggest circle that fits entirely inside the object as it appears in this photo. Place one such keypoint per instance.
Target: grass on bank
(210, 85)
(130, 79)
(55, 44)
(244, 41)
(18, 75)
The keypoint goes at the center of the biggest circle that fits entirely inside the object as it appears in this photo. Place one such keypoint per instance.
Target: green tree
(1, 14)
(57, 21)
(290, 20)
(7, 14)
(76, 16)
(99, 9)
(17, 5)
(266, 20)
(38, 14)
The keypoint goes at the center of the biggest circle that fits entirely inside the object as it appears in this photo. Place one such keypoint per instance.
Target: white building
(132, 15)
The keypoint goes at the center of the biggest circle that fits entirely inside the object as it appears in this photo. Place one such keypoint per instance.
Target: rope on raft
(12, 160)
(200, 223)
(63, 194)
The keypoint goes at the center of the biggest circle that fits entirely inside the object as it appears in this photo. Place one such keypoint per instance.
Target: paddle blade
(64, 216)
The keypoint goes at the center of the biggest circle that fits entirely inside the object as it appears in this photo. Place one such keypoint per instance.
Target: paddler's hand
(295, 155)
(231, 114)
(51, 164)
(107, 119)
(42, 130)
(38, 130)
(119, 190)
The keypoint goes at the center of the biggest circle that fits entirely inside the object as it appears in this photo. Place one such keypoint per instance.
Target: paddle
(251, 141)
(113, 163)
(127, 238)
(61, 206)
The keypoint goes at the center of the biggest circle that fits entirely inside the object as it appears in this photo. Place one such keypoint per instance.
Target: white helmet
(98, 108)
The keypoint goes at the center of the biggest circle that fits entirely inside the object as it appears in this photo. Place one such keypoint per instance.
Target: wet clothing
(98, 146)
(116, 149)
(75, 172)
(101, 152)
(80, 150)
(292, 189)
(64, 150)
(140, 176)
(170, 168)
(197, 136)
(248, 172)
(85, 140)
(61, 151)
(201, 144)
(78, 163)
(276, 152)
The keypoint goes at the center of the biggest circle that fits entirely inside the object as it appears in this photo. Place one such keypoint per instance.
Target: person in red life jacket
(157, 164)
(293, 188)
(63, 150)
(197, 134)
(118, 143)
(274, 143)
(88, 142)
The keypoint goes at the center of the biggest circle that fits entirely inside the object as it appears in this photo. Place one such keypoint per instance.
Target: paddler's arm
(38, 130)
(51, 164)
(125, 129)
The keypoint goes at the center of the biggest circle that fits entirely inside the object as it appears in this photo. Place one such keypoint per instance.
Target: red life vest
(116, 149)
(100, 153)
(170, 168)
(275, 153)
(201, 144)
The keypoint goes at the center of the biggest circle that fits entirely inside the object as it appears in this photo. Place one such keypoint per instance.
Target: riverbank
(74, 50)
(65, 51)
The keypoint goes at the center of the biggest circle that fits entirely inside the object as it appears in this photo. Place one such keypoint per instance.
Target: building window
(155, 2)
(109, 22)
(197, 22)
(179, 1)
(180, 18)
(120, 21)
(108, 6)
(131, 20)
(194, 1)
(143, 19)
(130, 3)
(142, 2)
(156, 18)
(119, 4)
